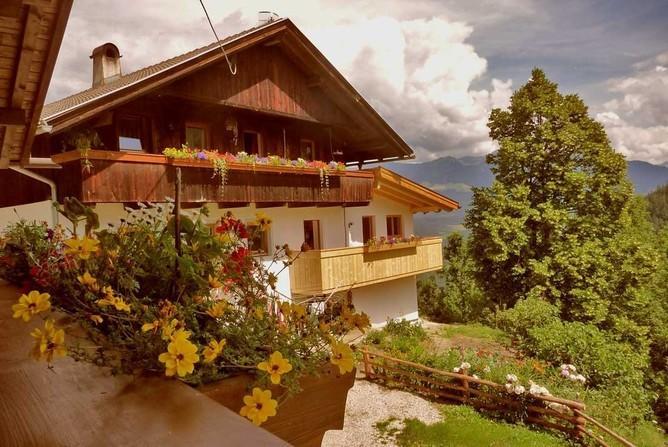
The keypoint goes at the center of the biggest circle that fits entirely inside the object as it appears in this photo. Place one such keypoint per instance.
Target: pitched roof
(55, 108)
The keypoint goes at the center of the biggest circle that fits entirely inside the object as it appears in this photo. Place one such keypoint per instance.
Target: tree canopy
(559, 222)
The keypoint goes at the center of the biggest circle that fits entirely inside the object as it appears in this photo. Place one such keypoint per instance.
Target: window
(251, 142)
(394, 228)
(306, 149)
(312, 239)
(368, 228)
(196, 135)
(258, 242)
(130, 134)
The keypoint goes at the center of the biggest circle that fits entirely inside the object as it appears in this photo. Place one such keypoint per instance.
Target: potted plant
(390, 243)
(203, 311)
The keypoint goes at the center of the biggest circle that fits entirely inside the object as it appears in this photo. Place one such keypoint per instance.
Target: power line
(229, 64)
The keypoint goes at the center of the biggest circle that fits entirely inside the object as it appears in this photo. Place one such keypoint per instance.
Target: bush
(604, 361)
(527, 314)
(405, 328)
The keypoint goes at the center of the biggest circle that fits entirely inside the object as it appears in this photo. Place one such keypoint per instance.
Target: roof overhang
(418, 198)
(386, 144)
(37, 29)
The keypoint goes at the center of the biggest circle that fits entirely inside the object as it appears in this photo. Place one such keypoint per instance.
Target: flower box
(303, 419)
(387, 246)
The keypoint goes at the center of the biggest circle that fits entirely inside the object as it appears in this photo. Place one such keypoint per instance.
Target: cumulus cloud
(415, 66)
(636, 119)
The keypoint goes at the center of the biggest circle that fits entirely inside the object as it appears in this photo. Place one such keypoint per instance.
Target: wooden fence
(551, 412)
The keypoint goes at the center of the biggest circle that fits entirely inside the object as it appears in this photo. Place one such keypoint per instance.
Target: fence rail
(551, 412)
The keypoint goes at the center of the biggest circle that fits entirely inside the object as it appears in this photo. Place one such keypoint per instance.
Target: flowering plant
(199, 313)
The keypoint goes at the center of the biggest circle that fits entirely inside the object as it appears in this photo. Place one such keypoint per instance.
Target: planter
(303, 419)
(387, 246)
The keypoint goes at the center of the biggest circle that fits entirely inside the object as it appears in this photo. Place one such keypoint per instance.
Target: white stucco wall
(380, 207)
(38, 211)
(392, 299)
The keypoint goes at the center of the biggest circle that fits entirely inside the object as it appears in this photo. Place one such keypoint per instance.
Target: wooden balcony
(323, 271)
(135, 177)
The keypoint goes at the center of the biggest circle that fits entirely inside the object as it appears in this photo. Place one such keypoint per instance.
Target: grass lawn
(475, 331)
(463, 427)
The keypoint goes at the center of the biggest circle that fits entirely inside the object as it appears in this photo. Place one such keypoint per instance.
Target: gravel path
(369, 403)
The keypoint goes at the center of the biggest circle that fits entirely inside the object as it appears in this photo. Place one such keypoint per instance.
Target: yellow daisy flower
(214, 283)
(31, 304)
(175, 329)
(180, 357)
(153, 326)
(96, 319)
(259, 406)
(88, 280)
(276, 367)
(342, 356)
(218, 309)
(49, 342)
(213, 350)
(82, 248)
(263, 221)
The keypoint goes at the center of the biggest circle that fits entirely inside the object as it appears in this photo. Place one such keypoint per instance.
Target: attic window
(130, 131)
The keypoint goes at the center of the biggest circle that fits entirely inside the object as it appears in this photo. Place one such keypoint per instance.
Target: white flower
(509, 387)
(456, 369)
(538, 390)
(519, 389)
(487, 370)
(580, 378)
(475, 376)
(465, 365)
(568, 367)
(511, 378)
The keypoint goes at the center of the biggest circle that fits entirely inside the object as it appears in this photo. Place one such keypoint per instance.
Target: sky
(434, 69)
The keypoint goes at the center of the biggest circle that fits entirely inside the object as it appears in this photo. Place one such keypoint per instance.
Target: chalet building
(285, 100)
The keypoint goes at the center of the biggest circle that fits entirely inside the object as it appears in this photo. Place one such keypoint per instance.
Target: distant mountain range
(454, 177)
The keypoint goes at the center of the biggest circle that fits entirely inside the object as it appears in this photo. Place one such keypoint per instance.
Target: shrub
(405, 328)
(525, 315)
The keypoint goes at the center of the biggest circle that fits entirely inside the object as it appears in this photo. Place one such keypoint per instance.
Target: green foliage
(525, 315)
(552, 223)
(658, 206)
(475, 330)
(405, 328)
(463, 427)
(452, 295)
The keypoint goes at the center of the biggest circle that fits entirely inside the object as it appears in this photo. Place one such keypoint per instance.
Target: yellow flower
(115, 301)
(342, 356)
(82, 248)
(180, 357)
(96, 319)
(88, 280)
(150, 326)
(175, 329)
(31, 304)
(214, 283)
(263, 221)
(259, 406)
(218, 309)
(276, 367)
(49, 342)
(213, 350)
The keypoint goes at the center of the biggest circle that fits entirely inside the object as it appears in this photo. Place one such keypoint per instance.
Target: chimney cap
(107, 49)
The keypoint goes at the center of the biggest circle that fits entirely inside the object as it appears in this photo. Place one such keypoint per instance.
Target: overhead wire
(220, 44)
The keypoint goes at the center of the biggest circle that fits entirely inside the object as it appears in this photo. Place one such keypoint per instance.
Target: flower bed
(199, 313)
(390, 243)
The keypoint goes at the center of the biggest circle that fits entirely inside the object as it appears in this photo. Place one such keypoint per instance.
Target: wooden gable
(266, 81)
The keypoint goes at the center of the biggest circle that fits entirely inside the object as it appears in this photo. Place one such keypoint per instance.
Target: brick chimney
(106, 64)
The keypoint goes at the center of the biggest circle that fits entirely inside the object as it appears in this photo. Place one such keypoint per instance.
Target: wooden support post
(465, 384)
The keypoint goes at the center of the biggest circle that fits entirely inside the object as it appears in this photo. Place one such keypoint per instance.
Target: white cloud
(637, 119)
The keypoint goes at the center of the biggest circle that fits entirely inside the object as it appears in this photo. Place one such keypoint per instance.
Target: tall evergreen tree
(554, 224)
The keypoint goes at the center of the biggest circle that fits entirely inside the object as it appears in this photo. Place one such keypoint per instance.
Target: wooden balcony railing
(134, 177)
(324, 271)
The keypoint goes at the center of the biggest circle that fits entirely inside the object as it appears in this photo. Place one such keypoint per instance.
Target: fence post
(365, 356)
(465, 384)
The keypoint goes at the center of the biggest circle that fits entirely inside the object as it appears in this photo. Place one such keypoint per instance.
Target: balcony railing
(324, 271)
(135, 177)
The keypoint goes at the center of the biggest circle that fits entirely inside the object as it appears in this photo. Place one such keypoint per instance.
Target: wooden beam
(31, 27)
(226, 205)
(57, 33)
(10, 8)
(12, 116)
